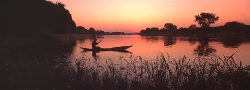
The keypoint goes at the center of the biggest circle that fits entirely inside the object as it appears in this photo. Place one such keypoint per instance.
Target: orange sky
(135, 15)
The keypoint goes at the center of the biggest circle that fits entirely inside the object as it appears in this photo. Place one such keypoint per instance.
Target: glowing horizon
(135, 15)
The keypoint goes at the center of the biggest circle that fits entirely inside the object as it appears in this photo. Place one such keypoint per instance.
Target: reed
(134, 73)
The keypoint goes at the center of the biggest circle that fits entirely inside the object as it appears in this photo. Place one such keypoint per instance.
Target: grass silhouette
(163, 73)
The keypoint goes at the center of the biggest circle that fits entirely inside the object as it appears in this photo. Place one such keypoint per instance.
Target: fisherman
(94, 43)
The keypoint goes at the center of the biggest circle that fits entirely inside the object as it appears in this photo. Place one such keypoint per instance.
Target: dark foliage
(153, 30)
(35, 15)
(234, 25)
(170, 26)
(228, 29)
(205, 19)
(81, 29)
(92, 30)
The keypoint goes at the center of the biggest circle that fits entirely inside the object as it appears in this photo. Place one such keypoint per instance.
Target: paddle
(99, 41)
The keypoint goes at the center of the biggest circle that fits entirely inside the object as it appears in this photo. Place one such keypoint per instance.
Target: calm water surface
(151, 47)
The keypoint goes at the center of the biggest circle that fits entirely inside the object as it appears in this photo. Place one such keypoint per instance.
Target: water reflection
(94, 53)
(203, 48)
(232, 41)
(152, 38)
(149, 47)
(202, 43)
(169, 40)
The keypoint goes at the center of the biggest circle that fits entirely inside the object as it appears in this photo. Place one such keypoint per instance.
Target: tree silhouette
(192, 26)
(170, 26)
(81, 29)
(147, 29)
(153, 30)
(35, 16)
(60, 4)
(92, 30)
(234, 25)
(205, 19)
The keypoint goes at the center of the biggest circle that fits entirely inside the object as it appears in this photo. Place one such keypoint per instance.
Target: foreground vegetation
(127, 73)
(162, 74)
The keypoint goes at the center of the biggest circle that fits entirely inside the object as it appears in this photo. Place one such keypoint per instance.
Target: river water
(174, 47)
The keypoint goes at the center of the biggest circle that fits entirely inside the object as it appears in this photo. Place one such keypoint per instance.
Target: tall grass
(134, 73)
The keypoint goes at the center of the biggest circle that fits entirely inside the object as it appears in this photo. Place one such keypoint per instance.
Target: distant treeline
(35, 16)
(204, 20)
(83, 30)
(169, 28)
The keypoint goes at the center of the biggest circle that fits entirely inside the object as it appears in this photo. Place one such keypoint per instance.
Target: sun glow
(134, 15)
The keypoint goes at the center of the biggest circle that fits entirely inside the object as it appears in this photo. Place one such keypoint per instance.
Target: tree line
(91, 30)
(204, 20)
(35, 16)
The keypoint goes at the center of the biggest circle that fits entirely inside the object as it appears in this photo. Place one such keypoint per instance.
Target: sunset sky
(135, 15)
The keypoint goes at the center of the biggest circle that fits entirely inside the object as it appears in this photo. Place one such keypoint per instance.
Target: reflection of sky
(150, 49)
